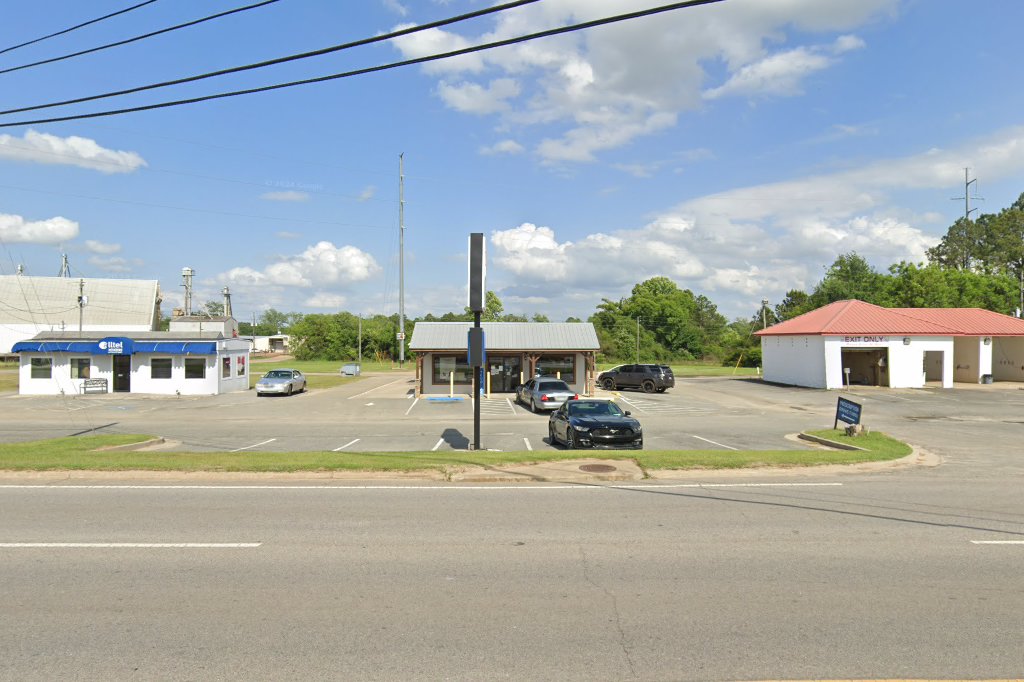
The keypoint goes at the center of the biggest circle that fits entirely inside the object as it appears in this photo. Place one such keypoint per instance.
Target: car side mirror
(628, 413)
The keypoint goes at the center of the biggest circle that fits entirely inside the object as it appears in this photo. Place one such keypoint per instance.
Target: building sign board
(847, 411)
(114, 345)
(853, 340)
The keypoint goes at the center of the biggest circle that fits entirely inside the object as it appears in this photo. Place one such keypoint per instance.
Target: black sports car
(594, 424)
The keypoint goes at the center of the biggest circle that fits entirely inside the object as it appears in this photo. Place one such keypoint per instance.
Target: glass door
(122, 373)
(504, 372)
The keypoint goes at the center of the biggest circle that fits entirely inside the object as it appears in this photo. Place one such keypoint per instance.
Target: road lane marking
(422, 487)
(129, 545)
(727, 447)
(997, 542)
(528, 446)
(411, 406)
(345, 445)
(439, 441)
(374, 389)
(248, 447)
(511, 406)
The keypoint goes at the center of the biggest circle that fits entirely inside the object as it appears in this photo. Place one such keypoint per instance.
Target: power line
(140, 37)
(280, 60)
(73, 28)
(357, 72)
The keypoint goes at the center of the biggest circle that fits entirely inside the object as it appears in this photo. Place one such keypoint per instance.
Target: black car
(650, 378)
(594, 424)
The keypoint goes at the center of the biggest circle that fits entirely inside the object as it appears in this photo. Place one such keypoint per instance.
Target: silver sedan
(542, 393)
(281, 382)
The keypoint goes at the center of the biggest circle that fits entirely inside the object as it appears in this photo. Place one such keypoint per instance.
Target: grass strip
(84, 453)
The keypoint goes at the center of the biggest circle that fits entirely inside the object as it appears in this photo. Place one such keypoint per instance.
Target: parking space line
(247, 447)
(439, 441)
(997, 542)
(511, 406)
(345, 445)
(129, 545)
(374, 389)
(411, 406)
(528, 446)
(727, 447)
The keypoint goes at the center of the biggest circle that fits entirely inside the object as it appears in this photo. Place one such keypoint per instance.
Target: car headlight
(637, 428)
(581, 429)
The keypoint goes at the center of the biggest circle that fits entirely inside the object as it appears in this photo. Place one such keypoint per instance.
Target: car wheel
(551, 434)
(608, 385)
(570, 439)
(258, 394)
(661, 390)
(289, 390)
(533, 405)
(648, 386)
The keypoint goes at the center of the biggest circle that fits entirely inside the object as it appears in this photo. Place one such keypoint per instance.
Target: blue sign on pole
(847, 411)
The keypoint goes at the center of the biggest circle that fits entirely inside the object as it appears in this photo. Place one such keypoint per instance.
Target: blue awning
(104, 348)
(177, 347)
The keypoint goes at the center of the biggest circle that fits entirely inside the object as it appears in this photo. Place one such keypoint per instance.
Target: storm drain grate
(597, 468)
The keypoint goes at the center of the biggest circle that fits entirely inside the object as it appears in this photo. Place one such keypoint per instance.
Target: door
(122, 373)
(504, 371)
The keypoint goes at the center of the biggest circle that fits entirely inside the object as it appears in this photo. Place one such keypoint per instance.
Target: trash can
(986, 378)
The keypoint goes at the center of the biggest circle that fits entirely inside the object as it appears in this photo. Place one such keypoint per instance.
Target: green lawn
(9, 379)
(81, 453)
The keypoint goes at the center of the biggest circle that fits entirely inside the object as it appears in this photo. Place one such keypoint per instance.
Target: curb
(830, 443)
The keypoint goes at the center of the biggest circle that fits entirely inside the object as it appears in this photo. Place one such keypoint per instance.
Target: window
(80, 368)
(240, 367)
(225, 372)
(195, 368)
(561, 366)
(445, 365)
(42, 368)
(160, 368)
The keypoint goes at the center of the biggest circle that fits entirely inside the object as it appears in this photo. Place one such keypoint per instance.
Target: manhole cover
(597, 468)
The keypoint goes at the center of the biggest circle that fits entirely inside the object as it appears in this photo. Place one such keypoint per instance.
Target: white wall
(794, 360)
(1008, 358)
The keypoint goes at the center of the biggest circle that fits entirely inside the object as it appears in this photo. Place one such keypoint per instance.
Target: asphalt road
(912, 573)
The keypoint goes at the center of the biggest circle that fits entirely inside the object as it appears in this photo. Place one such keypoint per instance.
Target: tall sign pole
(401, 260)
(477, 300)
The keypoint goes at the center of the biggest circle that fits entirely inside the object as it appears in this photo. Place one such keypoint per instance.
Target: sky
(736, 148)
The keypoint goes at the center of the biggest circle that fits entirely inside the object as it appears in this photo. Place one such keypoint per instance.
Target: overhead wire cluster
(301, 56)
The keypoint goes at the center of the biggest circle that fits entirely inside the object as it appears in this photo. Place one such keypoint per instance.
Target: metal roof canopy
(521, 336)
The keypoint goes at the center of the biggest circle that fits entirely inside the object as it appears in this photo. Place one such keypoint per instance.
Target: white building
(30, 305)
(159, 363)
(856, 343)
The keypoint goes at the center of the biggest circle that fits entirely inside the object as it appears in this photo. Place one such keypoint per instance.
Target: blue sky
(736, 148)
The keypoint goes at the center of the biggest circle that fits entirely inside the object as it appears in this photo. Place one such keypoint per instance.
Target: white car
(281, 382)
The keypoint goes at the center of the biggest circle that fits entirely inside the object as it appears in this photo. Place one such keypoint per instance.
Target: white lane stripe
(249, 447)
(528, 446)
(997, 542)
(345, 445)
(419, 487)
(437, 445)
(411, 406)
(130, 545)
(727, 447)
(374, 389)
(511, 406)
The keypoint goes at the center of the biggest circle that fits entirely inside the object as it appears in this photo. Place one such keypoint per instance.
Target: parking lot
(380, 413)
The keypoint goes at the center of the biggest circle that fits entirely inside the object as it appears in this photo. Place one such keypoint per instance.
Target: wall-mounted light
(906, 340)
(987, 341)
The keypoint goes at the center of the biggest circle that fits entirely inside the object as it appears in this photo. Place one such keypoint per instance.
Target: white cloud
(68, 151)
(368, 193)
(396, 7)
(325, 300)
(320, 265)
(14, 229)
(287, 195)
(601, 89)
(473, 98)
(115, 264)
(284, 234)
(93, 246)
(503, 147)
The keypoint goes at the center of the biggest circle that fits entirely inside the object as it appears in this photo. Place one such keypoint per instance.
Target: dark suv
(650, 378)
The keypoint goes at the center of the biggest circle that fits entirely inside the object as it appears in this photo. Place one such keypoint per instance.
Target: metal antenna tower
(186, 277)
(65, 269)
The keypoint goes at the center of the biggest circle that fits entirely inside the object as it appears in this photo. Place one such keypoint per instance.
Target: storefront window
(195, 368)
(240, 367)
(80, 368)
(446, 365)
(562, 366)
(225, 372)
(160, 368)
(42, 368)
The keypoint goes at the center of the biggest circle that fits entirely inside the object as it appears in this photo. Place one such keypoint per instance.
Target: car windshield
(553, 386)
(581, 409)
(278, 374)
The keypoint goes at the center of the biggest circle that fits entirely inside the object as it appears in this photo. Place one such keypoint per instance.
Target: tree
(849, 277)
(214, 308)
(795, 303)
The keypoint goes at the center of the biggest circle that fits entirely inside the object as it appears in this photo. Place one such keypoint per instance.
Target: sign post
(847, 412)
(477, 301)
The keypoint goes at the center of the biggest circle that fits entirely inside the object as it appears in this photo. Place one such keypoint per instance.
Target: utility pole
(764, 313)
(638, 340)
(401, 261)
(360, 351)
(967, 194)
(81, 303)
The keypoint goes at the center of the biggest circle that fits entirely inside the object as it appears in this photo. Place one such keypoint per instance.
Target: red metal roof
(858, 317)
